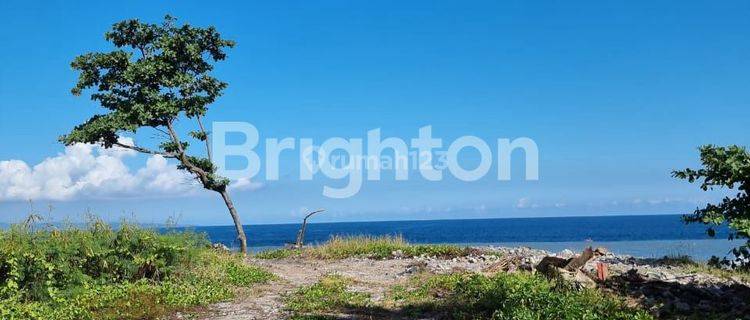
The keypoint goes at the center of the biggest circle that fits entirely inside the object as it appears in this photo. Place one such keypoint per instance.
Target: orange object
(601, 271)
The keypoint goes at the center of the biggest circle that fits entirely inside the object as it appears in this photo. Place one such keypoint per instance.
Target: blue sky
(615, 94)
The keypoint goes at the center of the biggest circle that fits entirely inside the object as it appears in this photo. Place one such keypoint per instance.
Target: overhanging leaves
(724, 167)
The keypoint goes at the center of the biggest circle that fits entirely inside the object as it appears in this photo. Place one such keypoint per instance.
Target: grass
(461, 296)
(505, 296)
(329, 294)
(381, 247)
(100, 272)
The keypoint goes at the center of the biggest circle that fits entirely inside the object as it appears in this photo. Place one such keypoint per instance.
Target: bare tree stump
(301, 233)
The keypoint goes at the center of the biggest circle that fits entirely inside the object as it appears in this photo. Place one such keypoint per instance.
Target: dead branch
(301, 232)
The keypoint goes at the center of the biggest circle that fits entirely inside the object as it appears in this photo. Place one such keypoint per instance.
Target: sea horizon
(324, 221)
(648, 236)
(437, 219)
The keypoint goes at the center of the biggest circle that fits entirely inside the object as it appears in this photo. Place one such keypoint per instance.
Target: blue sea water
(642, 235)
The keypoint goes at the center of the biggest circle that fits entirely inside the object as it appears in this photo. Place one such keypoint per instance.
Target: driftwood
(549, 263)
(571, 264)
(570, 269)
(301, 233)
(579, 261)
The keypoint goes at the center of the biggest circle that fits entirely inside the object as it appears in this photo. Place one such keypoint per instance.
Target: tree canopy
(729, 168)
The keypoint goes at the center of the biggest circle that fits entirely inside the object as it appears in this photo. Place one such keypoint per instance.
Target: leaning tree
(158, 74)
(728, 168)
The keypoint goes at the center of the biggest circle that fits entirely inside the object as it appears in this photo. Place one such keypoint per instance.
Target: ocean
(643, 235)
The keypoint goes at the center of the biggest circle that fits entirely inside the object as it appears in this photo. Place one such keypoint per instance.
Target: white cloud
(90, 171)
(525, 203)
(245, 184)
(300, 212)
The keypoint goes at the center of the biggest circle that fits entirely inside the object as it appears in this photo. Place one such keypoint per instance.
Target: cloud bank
(90, 171)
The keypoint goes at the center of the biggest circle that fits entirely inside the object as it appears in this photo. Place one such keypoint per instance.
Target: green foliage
(367, 246)
(102, 272)
(199, 135)
(170, 146)
(724, 167)
(277, 254)
(243, 275)
(507, 296)
(329, 294)
(462, 296)
(157, 74)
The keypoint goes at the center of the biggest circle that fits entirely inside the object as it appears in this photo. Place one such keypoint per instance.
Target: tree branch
(144, 150)
(202, 174)
(144, 51)
(205, 135)
(160, 130)
(175, 139)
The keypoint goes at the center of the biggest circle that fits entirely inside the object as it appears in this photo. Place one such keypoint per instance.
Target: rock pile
(668, 291)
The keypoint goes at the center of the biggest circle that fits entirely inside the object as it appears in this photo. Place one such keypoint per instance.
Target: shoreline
(697, 249)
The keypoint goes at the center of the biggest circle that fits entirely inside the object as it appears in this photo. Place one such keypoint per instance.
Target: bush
(101, 272)
(508, 296)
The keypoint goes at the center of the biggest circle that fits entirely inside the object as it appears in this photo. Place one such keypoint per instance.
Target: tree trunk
(237, 224)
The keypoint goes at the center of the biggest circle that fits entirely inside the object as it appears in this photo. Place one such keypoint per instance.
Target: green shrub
(243, 275)
(329, 294)
(101, 272)
(507, 296)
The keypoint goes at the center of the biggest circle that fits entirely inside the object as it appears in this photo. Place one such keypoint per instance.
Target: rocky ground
(668, 291)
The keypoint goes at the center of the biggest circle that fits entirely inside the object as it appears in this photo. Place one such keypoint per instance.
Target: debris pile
(668, 291)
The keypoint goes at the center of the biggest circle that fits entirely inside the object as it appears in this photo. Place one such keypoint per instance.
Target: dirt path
(266, 301)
